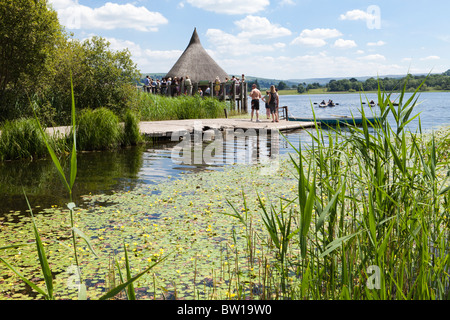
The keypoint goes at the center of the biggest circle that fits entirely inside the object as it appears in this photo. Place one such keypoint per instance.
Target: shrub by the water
(98, 130)
(21, 139)
(131, 133)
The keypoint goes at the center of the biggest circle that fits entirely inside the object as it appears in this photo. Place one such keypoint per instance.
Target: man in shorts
(255, 94)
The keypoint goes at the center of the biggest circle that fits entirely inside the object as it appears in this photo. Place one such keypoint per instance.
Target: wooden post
(233, 94)
(224, 91)
(244, 96)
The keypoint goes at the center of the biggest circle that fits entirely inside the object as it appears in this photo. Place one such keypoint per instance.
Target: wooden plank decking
(166, 128)
(160, 129)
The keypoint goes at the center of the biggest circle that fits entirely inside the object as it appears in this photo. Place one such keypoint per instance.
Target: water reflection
(122, 170)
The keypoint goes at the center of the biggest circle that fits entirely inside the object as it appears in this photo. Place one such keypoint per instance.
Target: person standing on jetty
(273, 103)
(147, 84)
(255, 94)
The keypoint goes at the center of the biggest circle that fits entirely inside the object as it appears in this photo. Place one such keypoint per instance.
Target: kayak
(334, 120)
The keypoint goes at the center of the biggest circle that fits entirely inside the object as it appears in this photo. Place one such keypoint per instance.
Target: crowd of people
(178, 86)
(168, 86)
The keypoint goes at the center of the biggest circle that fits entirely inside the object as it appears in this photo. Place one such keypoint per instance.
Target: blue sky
(281, 39)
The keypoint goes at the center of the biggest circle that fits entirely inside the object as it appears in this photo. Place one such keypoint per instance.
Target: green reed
(156, 107)
(21, 139)
(372, 218)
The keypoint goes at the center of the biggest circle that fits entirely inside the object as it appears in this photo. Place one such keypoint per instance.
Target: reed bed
(156, 107)
(21, 139)
(373, 218)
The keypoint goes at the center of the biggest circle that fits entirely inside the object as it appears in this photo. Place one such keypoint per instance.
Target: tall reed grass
(21, 139)
(371, 216)
(156, 107)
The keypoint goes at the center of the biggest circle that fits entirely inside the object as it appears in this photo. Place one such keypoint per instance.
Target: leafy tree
(282, 85)
(29, 32)
(101, 78)
(300, 88)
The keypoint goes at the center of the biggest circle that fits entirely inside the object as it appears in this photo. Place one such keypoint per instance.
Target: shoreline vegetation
(355, 215)
(102, 129)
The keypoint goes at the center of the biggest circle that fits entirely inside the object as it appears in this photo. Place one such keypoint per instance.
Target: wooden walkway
(161, 129)
(166, 128)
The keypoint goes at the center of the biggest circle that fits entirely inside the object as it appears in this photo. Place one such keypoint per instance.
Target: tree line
(38, 57)
(432, 82)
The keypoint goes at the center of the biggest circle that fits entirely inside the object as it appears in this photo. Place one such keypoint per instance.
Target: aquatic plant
(21, 139)
(98, 129)
(131, 132)
(156, 107)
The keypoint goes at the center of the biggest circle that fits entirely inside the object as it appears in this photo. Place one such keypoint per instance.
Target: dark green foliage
(21, 139)
(37, 58)
(131, 134)
(98, 130)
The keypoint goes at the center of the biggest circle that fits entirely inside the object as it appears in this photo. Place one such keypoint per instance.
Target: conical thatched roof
(196, 63)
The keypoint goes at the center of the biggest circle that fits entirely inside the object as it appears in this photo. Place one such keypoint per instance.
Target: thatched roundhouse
(196, 63)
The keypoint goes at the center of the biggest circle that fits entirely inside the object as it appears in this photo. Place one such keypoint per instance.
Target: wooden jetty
(159, 129)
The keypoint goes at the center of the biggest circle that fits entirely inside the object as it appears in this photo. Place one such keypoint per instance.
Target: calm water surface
(106, 172)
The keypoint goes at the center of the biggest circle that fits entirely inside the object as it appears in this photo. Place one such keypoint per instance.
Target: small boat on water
(324, 104)
(335, 119)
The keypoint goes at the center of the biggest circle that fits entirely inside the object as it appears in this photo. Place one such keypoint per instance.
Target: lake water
(122, 170)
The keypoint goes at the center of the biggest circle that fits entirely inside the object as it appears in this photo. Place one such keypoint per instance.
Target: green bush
(21, 139)
(131, 132)
(155, 107)
(98, 130)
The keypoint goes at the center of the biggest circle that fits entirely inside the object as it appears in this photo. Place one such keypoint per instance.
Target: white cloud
(147, 60)
(230, 6)
(357, 15)
(344, 44)
(251, 40)
(315, 37)
(287, 3)
(253, 26)
(320, 33)
(376, 44)
(309, 42)
(228, 44)
(373, 57)
(107, 17)
(430, 58)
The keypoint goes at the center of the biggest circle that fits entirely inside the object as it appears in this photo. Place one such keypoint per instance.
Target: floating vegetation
(209, 255)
